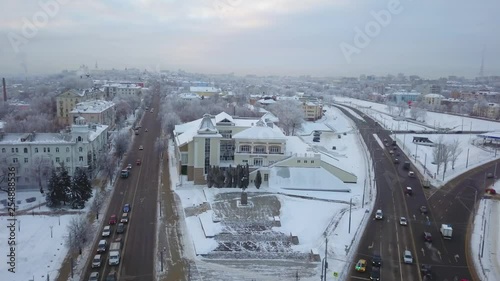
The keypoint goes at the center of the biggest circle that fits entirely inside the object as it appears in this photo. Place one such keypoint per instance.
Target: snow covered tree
(64, 184)
(455, 151)
(81, 188)
(53, 196)
(210, 177)
(290, 115)
(78, 233)
(258, 180)
(121, 141)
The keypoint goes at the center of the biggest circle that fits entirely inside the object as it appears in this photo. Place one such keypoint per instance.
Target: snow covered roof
(261, 131)
(264, 101)
(38, 138)
(434, 96)
(204, 89)
(206, 126)
(221, 116)
(270, 117)
(99, 129)
(491, 135)
(95, 106)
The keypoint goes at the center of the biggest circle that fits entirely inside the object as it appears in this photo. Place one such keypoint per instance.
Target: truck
(114, 253)
(125, 173)
(446, 231)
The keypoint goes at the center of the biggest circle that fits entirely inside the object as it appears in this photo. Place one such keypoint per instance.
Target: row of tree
(444, 153)
(62, 188)
(232, 177)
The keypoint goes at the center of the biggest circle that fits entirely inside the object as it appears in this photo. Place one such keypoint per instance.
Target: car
(316, 133)
(138, 162)
(423, 209)
(129, 166)
(403, 221)
(94, 276)
(120, 228)
(111, 276)
(386, 144)
(361, 265)
(396, 161)
(146, 130)
(375, 274)
(426, 270)
(379, 215)
(411, 174)
(316, 139)
(391, 152)
(141, 147)
(101, 247)
(376, 260)
(126, 208)
(407, 257)
(106, 231)
(490, 191)
(427, 236)
(151, 110)
(409, 190)
(385, 140)
(124, 218)
(489, 175)
(96, 261)
(112, 219)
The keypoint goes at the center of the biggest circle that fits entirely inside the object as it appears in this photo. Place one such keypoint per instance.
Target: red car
(112, 219)
(138, 162)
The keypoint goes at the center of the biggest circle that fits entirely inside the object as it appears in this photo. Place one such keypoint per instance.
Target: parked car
(106, 231)
(112, 219)
(379, 215)
(316, 139)
(407, 257)
(361, 265)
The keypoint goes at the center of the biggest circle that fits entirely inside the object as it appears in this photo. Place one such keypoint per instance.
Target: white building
(433, 100)
(95, 112)
(35, 154)
(112, 90)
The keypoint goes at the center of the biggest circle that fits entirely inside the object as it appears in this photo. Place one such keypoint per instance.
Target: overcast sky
(281, 37)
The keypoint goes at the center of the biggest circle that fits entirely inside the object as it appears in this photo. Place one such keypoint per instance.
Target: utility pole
(467, 161)
(326, 257)
(350, 208)
(364, 189)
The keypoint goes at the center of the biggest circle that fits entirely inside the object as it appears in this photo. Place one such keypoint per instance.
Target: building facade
(95, 112)
(433, 100)
(34, 155)
(66, 101)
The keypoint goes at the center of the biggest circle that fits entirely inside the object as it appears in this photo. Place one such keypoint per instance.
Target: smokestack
(4, 90)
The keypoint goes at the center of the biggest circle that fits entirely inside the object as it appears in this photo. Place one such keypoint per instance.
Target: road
(140, 190)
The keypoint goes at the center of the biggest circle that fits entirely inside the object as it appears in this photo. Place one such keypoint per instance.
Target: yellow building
(67, 101)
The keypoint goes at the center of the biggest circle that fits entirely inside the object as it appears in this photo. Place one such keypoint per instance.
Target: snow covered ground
(310, 215)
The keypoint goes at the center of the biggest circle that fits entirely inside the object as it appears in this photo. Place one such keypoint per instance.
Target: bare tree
(41, 167)
(441, 155)
(390, 107)
(107, 164)
(290, 115)
(78, 233)
(97, 203)
(161, 144)
(414, 112)
(121, 141)
(422, 113)
(402, 106)
(455, 151)
(169, 121)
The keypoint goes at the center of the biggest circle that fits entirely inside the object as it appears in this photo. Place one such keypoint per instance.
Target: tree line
(231, 177)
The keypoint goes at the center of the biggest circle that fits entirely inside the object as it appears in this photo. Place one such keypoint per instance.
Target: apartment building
(95, 112)
(34, 155)
(66, 101)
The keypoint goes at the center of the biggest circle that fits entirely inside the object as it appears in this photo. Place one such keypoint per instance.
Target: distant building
(405, 97)
(433, 100)
(313, 110)
(205, 91)
(95, 111)
(484, 109)
(121, 89)
(66, 101)
(35, 154)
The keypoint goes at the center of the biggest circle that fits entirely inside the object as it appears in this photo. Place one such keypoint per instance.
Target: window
(274, 149)
(25, 150)
(48, 149)
(80, 158)
(3, 150)
(67, 149)
(57, 149)
(312, 161)
(15, 160)
(36, 149)
(184, 158)
(25, 160)
(266, 177)
(67, 159)
(17, 150)
(26, 170)
(259, 149)
(44, 149)
(12, 149)
(27, 179)
(79, 139)
(245, 148)
(207, 154)
(305, 161)
(58, 159)
(80, 149)
(257, 161)
(298, 161)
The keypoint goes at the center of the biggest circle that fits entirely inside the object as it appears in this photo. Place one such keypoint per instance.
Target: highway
(140, 190)
(452, 204)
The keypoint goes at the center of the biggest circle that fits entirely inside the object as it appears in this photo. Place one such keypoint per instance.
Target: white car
(407, 257)
(129, 166)
(106, 231)
(379, 215)
(403, 221)
(96, 262)
(140, 147)
(94, 276)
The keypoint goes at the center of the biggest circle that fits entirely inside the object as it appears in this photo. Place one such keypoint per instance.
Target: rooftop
(94, 106)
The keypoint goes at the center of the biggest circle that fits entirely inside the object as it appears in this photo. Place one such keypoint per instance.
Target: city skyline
(321, 38)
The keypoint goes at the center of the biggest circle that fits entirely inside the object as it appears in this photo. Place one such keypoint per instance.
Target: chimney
(4, 90)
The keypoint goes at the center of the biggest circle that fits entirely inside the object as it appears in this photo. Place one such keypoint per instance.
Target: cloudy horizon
(262, 37)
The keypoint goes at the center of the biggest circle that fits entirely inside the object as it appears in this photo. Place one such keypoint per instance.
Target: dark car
(406, 165)
(427, 236)
(120, 228)
(423, 209)
(396, 161)
(375, 274)
(111, 276)
(316, 139)
(376, 260)
(126, 208)
(426, 271)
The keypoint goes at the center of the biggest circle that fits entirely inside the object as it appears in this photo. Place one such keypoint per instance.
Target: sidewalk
(485, 244)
